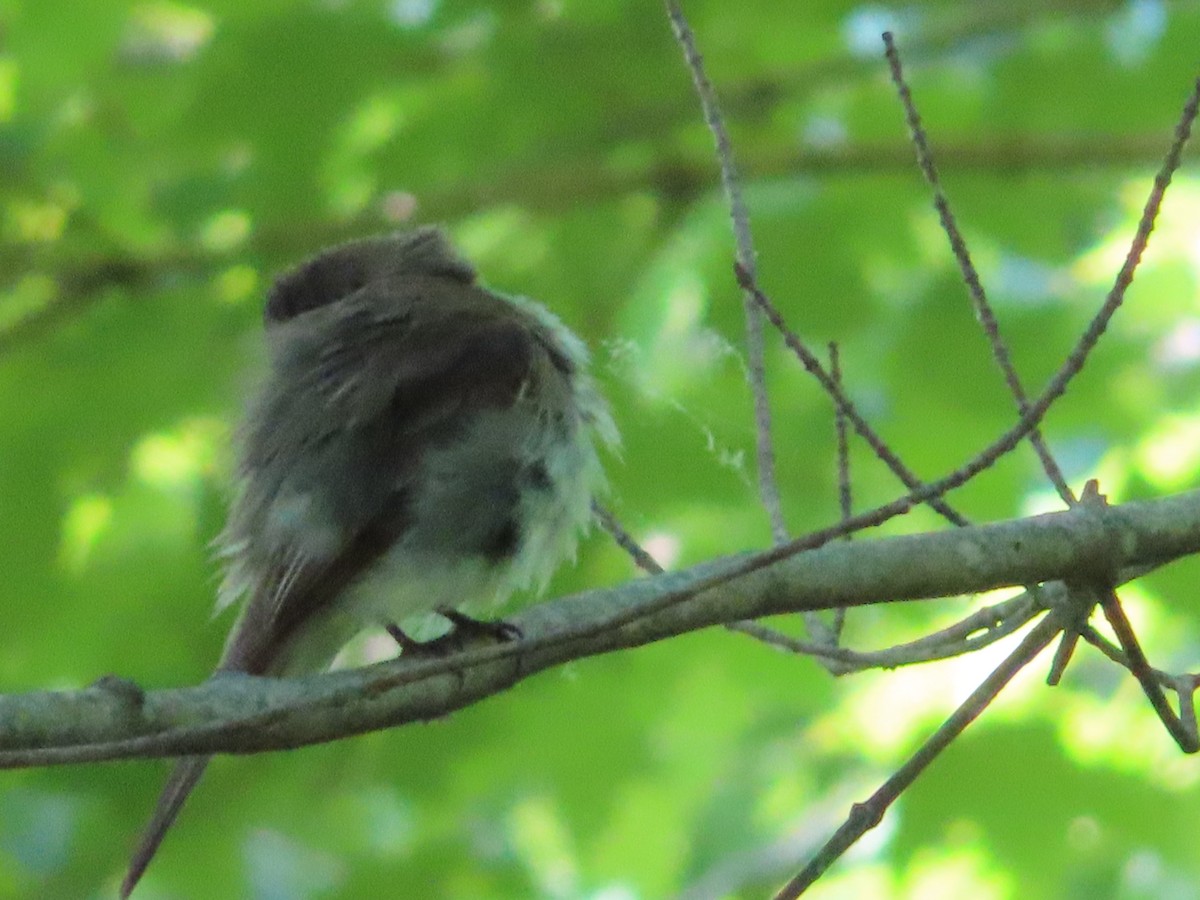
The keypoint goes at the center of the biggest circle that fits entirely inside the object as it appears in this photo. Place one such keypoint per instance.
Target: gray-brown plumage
(419, 444)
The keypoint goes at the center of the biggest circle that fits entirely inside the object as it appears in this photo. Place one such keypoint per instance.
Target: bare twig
(868, 815)
(641, 558)
(1180, 728)
(1069, 640)
(1063, 654)
(1034, 412)
(1057, 386)
(1141, 238)
(845, 500)
(983, 309)
(1184, 685)
(1000, 353)
(921, 492)
(768, 486)
(978, 630)
(983, 312)
(828, 634)
(865, 816)
(647, 563)
(1117, 655)
(813, 366)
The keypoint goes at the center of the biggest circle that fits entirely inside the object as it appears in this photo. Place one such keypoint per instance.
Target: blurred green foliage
(160, 160)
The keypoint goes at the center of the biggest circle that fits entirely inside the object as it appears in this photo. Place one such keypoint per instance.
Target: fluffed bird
(420, 445)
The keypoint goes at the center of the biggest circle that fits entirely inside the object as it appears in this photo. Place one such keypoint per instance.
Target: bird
(420, 446)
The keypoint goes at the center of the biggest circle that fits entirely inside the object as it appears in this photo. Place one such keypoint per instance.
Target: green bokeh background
(159, 161)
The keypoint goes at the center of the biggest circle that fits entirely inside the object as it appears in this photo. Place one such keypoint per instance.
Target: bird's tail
(184, 777)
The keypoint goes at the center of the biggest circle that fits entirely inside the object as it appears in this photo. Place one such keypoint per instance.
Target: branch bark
(115, 719)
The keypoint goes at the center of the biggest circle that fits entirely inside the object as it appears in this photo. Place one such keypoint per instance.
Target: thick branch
(241, 714)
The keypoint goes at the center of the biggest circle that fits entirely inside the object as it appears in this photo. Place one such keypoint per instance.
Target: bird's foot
(499, 630)
(465, 633)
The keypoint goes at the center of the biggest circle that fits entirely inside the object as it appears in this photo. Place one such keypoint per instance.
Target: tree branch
(241, 714)
(768, 484)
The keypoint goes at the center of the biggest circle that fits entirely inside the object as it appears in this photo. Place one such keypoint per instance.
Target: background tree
(162, 160)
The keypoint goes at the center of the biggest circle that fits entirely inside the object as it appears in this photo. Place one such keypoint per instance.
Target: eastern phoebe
(420, 445)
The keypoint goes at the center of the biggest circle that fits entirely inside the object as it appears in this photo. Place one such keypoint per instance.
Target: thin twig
(865, 816)
(641, 558)
(768, 486)
(845, 500)
(1184, 685)
(1141, 238)
(828, 634)
(647, 563)
(1057, 385)
(880, 514)
(995, 622)
(1184, 732)
(983, 312)
(1063, 654)
(1140, 667)
(978, 630)
(813, 366)
(919, 492)
(1117, 655)
(979, 300)
(1137, 662)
